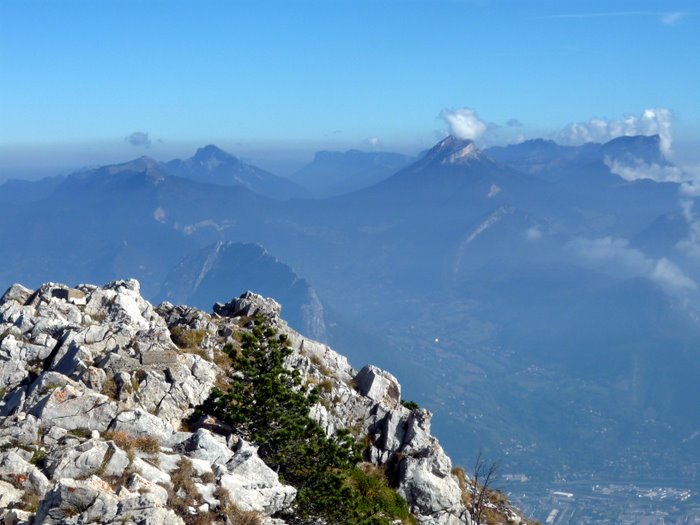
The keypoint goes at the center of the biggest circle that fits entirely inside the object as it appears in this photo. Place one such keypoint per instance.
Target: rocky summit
(103, 419)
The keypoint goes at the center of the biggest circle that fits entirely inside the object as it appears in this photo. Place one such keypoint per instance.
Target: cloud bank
(464, 123)
(652, 121)
(642, 170)
(618, 252)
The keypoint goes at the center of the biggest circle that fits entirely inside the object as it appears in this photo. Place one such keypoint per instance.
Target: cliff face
(96, 426)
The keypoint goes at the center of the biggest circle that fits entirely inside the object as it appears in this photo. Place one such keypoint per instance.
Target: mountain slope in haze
(586, 175)
(456, 169)
(539, 156)
(334, 172)
(132, 218)
(482, 280)
(212, 165)
(199, 278)
(16, 192)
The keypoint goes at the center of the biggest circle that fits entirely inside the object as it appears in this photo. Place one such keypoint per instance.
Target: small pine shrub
(38, 458)
(268, 405)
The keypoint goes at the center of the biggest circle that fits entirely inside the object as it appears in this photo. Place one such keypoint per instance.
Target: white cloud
(621, 257)
(670, 275)
(373, 142)
(464, 123)
(691, 244)
(641, 170)
(689, 179)
(652, 121)
(607, 249)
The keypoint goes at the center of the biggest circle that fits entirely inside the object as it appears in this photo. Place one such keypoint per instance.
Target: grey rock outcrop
(93, 395)
(96, 400)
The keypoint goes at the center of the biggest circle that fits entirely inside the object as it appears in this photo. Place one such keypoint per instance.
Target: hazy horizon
(32, 162)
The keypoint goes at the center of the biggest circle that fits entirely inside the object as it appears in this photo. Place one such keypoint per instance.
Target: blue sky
(295, 76)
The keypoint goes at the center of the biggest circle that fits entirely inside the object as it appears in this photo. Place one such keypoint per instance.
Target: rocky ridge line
(95, 397)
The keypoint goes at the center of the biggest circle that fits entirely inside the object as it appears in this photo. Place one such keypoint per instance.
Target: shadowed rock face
(200, 278)
(95, 395)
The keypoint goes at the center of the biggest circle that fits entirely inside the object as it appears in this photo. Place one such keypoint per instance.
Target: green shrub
(267, 405)
(38, 458)
(411, 405)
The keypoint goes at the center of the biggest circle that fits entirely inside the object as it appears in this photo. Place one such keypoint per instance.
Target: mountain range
(530, 289)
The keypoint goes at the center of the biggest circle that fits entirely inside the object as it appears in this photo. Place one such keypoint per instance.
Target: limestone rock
(250, 304)
(204, 445)
(379, 386)
(253, 485)
(71, 408)
(139, 423)
(9, 494)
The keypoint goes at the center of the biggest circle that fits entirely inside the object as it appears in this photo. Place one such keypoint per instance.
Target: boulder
(139, 423)
(78, 501)
(252, 485)
(208, 447)
(379, 385)
(71, 408)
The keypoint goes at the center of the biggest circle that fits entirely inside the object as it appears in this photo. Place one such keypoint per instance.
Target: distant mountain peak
(212, 165)
(212, 156)
(453, 150)
(635, 148)
(144, 164)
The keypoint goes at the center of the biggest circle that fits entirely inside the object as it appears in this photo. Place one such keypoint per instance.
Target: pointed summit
(212, 165)
(452, 150)
(212, 154)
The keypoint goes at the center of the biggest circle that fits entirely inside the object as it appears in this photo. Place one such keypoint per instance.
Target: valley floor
(611, 503)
